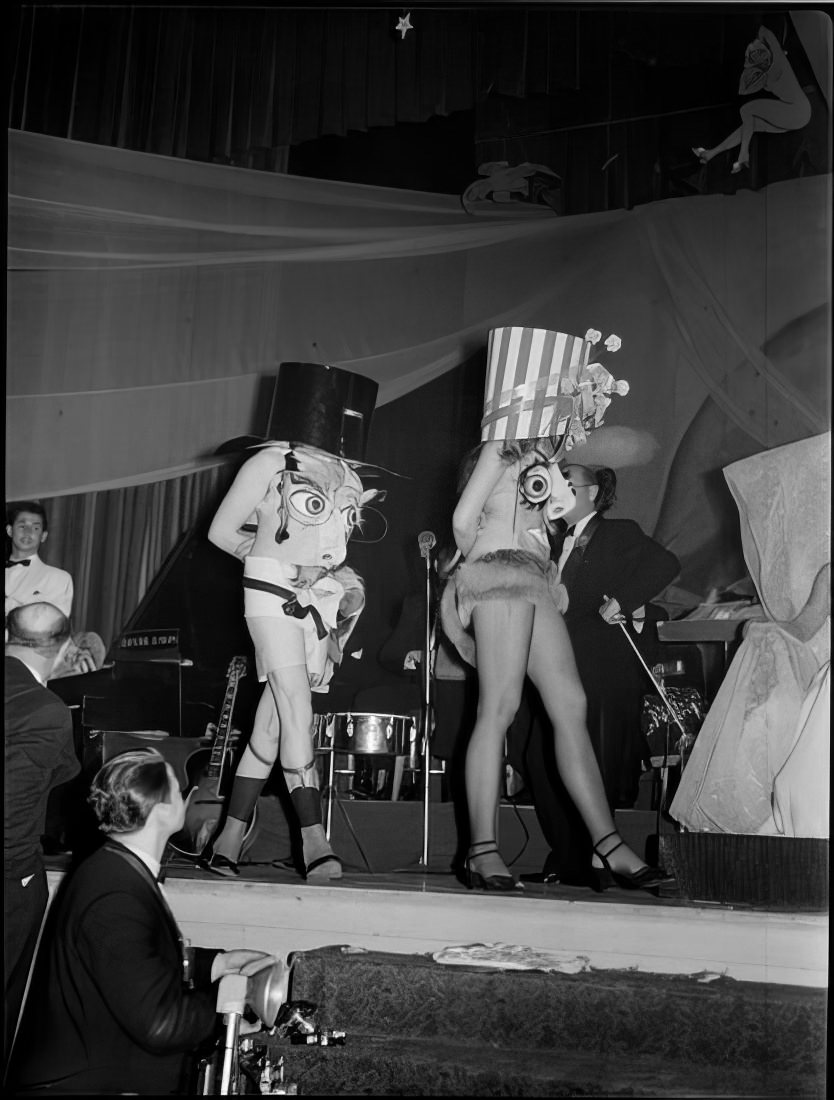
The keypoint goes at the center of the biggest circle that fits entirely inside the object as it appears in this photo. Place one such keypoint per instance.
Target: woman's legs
(729, 142)
(283, 721)
(293, 702)
(552, 668)
(502, 638)
(770, 116)
(252, 772)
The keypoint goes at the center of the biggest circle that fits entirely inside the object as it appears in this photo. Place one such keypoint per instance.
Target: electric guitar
(207, 771)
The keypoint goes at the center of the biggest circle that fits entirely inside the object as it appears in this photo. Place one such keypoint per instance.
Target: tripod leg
(230, 1052)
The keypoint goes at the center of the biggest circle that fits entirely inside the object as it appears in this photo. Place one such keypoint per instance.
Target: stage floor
(417, 909)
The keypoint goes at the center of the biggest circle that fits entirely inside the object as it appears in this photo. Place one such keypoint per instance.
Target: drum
(371, 734)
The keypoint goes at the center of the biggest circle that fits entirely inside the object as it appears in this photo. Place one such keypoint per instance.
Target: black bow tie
(23, 561)
(570, 532)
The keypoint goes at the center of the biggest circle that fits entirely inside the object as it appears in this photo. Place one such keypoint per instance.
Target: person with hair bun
(611, 570)
(119, 1003)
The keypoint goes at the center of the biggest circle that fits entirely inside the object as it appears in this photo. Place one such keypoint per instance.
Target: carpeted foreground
(414, 1027)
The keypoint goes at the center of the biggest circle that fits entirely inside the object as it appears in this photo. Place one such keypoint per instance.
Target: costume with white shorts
(305, 625)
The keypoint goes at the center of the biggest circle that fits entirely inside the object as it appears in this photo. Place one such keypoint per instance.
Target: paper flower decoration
(591, 393)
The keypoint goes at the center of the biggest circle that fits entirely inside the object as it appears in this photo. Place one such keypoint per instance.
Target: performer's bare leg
(758, 116)
(502, 636)
(552, 669)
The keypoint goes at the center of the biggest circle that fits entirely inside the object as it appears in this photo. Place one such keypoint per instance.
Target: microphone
(426, 540)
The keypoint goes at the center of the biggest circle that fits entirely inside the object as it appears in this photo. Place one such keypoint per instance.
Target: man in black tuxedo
(118, 1001)
(611, 570)
(39, 755)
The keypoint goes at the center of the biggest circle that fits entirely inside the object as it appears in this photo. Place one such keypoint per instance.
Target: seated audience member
(39, 754)
(118, 1002)
(28, 579)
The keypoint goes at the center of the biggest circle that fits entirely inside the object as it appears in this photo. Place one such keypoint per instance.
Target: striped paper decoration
(525, 368)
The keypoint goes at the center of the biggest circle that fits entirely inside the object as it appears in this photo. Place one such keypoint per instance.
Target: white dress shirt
(38, 582)
(570, 540)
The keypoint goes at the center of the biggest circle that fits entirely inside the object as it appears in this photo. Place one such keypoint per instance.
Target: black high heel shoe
(474, 880)
(220, 865)
(646, 878)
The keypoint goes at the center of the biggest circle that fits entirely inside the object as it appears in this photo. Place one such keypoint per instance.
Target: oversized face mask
(311, 509)
(542, 485)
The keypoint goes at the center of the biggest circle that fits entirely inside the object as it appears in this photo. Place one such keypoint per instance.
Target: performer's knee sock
(304, 793)
(242, 801)
(306, 801)
(244, 797)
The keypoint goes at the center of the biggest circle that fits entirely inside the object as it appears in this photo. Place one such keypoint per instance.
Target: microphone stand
(426, 710)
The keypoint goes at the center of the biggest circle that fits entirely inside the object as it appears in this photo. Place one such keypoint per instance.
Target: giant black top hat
(324, 407)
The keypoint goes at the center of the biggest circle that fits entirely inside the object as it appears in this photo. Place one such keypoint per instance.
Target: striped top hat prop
(541, 383)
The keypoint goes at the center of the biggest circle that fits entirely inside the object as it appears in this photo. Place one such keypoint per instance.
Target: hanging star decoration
(404, 25)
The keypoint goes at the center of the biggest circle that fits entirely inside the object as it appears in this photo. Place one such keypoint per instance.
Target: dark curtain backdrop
(610, 99)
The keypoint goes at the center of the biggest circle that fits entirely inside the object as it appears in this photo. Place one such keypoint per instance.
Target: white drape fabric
(148, 296)
(771, 698)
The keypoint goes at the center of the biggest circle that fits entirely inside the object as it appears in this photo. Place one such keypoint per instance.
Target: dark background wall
(610, 97)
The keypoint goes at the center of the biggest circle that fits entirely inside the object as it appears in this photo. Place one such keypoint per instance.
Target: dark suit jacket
(613, 557)
(40, 754)
(108, 1010)
(619, 560)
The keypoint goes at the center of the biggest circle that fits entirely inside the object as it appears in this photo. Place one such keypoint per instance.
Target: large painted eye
(535, 484)
(310, 506)
(350, 516)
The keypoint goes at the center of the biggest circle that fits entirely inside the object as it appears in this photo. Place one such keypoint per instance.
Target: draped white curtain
(149, 295)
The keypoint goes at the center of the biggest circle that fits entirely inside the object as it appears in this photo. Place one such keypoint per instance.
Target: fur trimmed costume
(498, 575)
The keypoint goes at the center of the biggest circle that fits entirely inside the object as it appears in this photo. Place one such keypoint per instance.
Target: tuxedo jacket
(614, 558)
(109, 1010)
(39, 754)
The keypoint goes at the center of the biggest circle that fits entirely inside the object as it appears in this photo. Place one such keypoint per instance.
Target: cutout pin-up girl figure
(502, 606)
(766, 68)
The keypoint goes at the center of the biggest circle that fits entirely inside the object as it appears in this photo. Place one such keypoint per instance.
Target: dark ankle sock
(306, 801)
(244, 797)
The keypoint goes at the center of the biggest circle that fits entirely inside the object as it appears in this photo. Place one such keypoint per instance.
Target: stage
(389, 900)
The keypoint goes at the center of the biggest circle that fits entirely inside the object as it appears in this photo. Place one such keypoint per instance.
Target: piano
(166, 668)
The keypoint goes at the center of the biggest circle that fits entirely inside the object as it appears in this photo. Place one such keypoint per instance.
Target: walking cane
(620, 621)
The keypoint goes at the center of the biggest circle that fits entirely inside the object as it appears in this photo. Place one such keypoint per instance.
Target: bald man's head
(37, 626)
